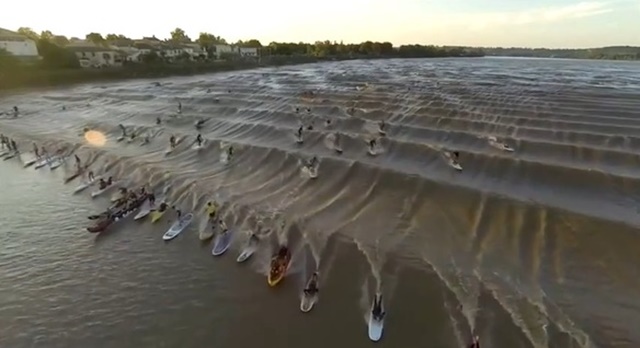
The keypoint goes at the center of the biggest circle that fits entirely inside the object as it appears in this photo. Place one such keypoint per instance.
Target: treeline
(612, 52)
(368, 49)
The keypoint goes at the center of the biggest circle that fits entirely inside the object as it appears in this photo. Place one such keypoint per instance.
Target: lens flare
(95, 138)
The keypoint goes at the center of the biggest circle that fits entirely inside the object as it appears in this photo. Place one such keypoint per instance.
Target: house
(221, 50)
(248, 51)
(18, 45)
(95, 56)
(194, 50)
(171, 51)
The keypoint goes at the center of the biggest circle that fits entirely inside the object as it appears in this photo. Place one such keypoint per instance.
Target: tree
(207, 40)
(150, 57)
(251, 43)
(7, 60)
(96, 38)
(28, 32)
(178, 35)
(46, 35)
(117, 37)
(54, 56)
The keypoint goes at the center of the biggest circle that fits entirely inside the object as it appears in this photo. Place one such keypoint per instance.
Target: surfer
(372, 145)
(310, 126)
(179, 107)
(90, 176)
(158, 121)
(223, 226)
(297, 110)
(308, 110)
(172, 141)
(327, 123)
(152, 198)
(3, 141)
(133, 136)
(455, 155)
(475, 343)
(312, 288)
(312, 162)
(178, 212)
(199, 140)
(102, 184)
(299, 133)
(16, 112)
(124, 130)
(377, 312)
(14, 147)
(78, 163)
(36, 151)
(229, 152)
(381, 126)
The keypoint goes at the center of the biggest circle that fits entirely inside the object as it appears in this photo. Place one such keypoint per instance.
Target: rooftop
(11, 34)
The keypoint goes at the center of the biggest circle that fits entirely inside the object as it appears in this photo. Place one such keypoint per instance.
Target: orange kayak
(279, 268)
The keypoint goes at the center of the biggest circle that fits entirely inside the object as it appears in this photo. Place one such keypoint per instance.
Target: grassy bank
(35, 76)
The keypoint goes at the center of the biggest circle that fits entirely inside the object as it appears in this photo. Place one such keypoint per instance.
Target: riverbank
(39, 77)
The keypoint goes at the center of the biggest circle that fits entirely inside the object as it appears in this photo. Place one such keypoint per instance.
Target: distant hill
(612, 52)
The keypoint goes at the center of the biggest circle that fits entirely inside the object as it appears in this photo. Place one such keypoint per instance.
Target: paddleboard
(99, 192)
(311, 173)
(145, 209)
(308, 300)
(248, 250)
(221, 243)
(43, 162)
(372, 152)
(11, 155)
(56, 163)
(86, 184)
(3, 154)
(30, 162)
(208, 230)
(178, 227)
(199, 147)
(224, 157)
(376, 325)
(455, 165)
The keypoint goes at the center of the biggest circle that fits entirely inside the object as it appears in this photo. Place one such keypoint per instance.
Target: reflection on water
(530, 248)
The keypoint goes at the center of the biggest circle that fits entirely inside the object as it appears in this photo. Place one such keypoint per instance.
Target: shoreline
(28, 79)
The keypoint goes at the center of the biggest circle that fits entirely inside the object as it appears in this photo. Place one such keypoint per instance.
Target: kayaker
(475, 343)
(312, 289)
(172, 141)
(178, 212)
(211, 209)
(102, 184)
(377, 312)
(372, 144)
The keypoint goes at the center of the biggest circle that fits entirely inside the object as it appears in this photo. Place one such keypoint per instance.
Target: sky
(487, 23)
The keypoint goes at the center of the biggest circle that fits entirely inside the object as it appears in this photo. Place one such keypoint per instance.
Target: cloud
(559, 13)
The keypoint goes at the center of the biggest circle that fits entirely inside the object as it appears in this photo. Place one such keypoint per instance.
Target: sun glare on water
(95, 138)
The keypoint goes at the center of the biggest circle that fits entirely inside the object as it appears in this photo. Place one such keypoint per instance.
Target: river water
(532, 248)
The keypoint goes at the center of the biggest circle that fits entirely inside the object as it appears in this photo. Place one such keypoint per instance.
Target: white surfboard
(199, 147)
(4, 153)
(382, 132)
(249, 249)
(30, 162)
(98, 192)
(56, 163)
(85, 184)
(372, 151)
(221, 243)
(224, 157)
(312, 173)
(500, 146)
(299, 139)
(11, 155)
(45, 161)
(308, 300)
(169, 150)
(178, 227)
(145, 210)
(376, 325)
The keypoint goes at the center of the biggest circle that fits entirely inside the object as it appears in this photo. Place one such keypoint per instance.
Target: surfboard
(178, 227)
(311, 173)
(308, 300)
(299, 140)
(99, 192)
(120, 138)
(224, 157)
(30, 162)
(248, 250)
(11, 155)
(382, 132)
(372, 152)
(56, 163)
(145, 210)
(199, 147)
(221, 243)
(376, 325)
(86, 184)
(169, 151)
